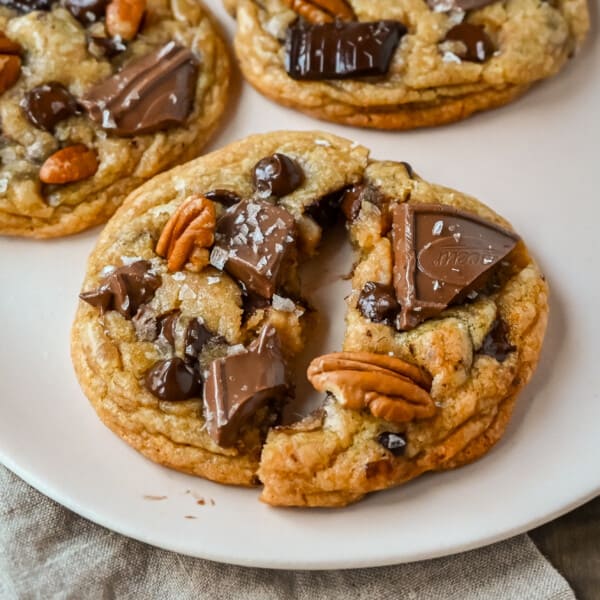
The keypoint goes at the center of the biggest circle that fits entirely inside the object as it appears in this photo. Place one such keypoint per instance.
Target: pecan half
(123, 18)
(322, 11)
(188, 234)
(10, 69)
(69, 164)
(7, 46)
(391, 388)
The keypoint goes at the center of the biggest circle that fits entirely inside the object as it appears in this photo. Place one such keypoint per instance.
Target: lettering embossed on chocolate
(477, 45)
(341, 50)
(377, 302)
(239, 385)
(277, 175)
(173, 380)
(125, 289)
(152, 93)
(48, 104)
(440, 255)
(252, 242)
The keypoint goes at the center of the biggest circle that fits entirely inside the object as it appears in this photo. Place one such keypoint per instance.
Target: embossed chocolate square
(252, 242)
(440, 255)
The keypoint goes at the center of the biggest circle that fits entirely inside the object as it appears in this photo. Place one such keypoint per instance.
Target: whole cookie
(192, 312)
(402, 64)
(96, 97)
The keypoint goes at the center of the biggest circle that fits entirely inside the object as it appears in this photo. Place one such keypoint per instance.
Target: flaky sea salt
(178, 276)
(218, 258)
(283, 304)
(437, 228)
(323, 143)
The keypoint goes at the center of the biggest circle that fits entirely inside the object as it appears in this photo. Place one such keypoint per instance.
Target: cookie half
(402, 64)
(96, 98)
(192, 313)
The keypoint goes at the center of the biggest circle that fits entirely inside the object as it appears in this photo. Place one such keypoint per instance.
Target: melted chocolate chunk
(251, 303)
(239, 385)
(27, 5)
(377, 302)
(394, 442)
(173, 380)
(105, 47)
(196, 337)
(223, 197)
(48, 104)
(149, 94)
(167, 326)
(253, 240)
(125, 289)
(87, 11)
(354, 197)
(326, 210)
(496, 344)
(341, 50)
(477, 45)
(277, 175)
(441, 254)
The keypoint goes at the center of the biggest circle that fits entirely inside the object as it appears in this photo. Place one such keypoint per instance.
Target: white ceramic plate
(536, 162)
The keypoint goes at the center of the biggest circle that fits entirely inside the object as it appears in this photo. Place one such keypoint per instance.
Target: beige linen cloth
(48, 552)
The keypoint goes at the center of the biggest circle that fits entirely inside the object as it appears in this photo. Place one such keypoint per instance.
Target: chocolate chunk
(27, 5)
(476, 45)
(354, 197)
(239, 385)
(341, 50)
(377, 302)
(173, 380)
(125, 289)
(326, 210)
(253, 241)
(48, 104)
(196, 337)
(448, 5)
(105, 47)
(252, 302)
(496, 344)
(223, 197)
(441, 254)
(152, 93)
(145, 323)
(277, 175)
(394, 442)
(87, 11)
(167, 326)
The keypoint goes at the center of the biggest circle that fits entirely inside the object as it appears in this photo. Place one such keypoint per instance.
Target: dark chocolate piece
(341, 50)
(167, 326)
(326, 210)
(252, 242)
(149, 94)
(477, 45)
(354, 197)
(239, 385)
(277, 175)
(87, 11)
(223, 197)
(448, 5)
(106, 47)
(48, 104)
(441, 254)
(173, 380)
(125, 289)
(252, 302)
(377, 302)
(195, 338)
(394, 442)
(496, 344)
(27, 5)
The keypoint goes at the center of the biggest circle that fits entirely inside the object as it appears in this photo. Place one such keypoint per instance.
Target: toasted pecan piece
(69, 164)
(322, 11)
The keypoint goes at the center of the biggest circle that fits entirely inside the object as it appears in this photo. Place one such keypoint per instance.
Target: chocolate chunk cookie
(191, 314)
(402, 64)
(96, 97)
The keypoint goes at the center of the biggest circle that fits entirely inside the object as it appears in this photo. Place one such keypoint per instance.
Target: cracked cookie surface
(475, 356)
(438, 72)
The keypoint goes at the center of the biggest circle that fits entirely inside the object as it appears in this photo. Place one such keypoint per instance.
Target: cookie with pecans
(192, 314)
(96, 97)
(403, 64)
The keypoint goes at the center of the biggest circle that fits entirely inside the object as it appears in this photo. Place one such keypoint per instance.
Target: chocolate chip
(145, 323)
(351, 202)
(277, 175)
(377, 302)
(100, 298)
(105, 47)
(477, 45)
(394, 442)
(48, 104)
(173, 380)
(326, 210)
(223, 197)
(196, 337)
(27, 5)
(167, 325)
(496, 344)
(341, 50)
(87, 11)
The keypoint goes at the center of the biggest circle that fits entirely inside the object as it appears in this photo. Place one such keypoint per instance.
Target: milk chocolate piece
(253, 240)
(173, 380)
(125, 289)
(496, 344)
(47, 104)
(239, 385)
(224, 197)
(354, 197)
(277, 175)
(341, 50)
(149, 94)
(440, 255)
(377, 302)
(477, 45)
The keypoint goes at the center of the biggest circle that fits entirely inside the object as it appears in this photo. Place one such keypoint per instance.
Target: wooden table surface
(572, 544)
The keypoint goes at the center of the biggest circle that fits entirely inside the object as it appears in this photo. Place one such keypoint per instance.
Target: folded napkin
(46, 551)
